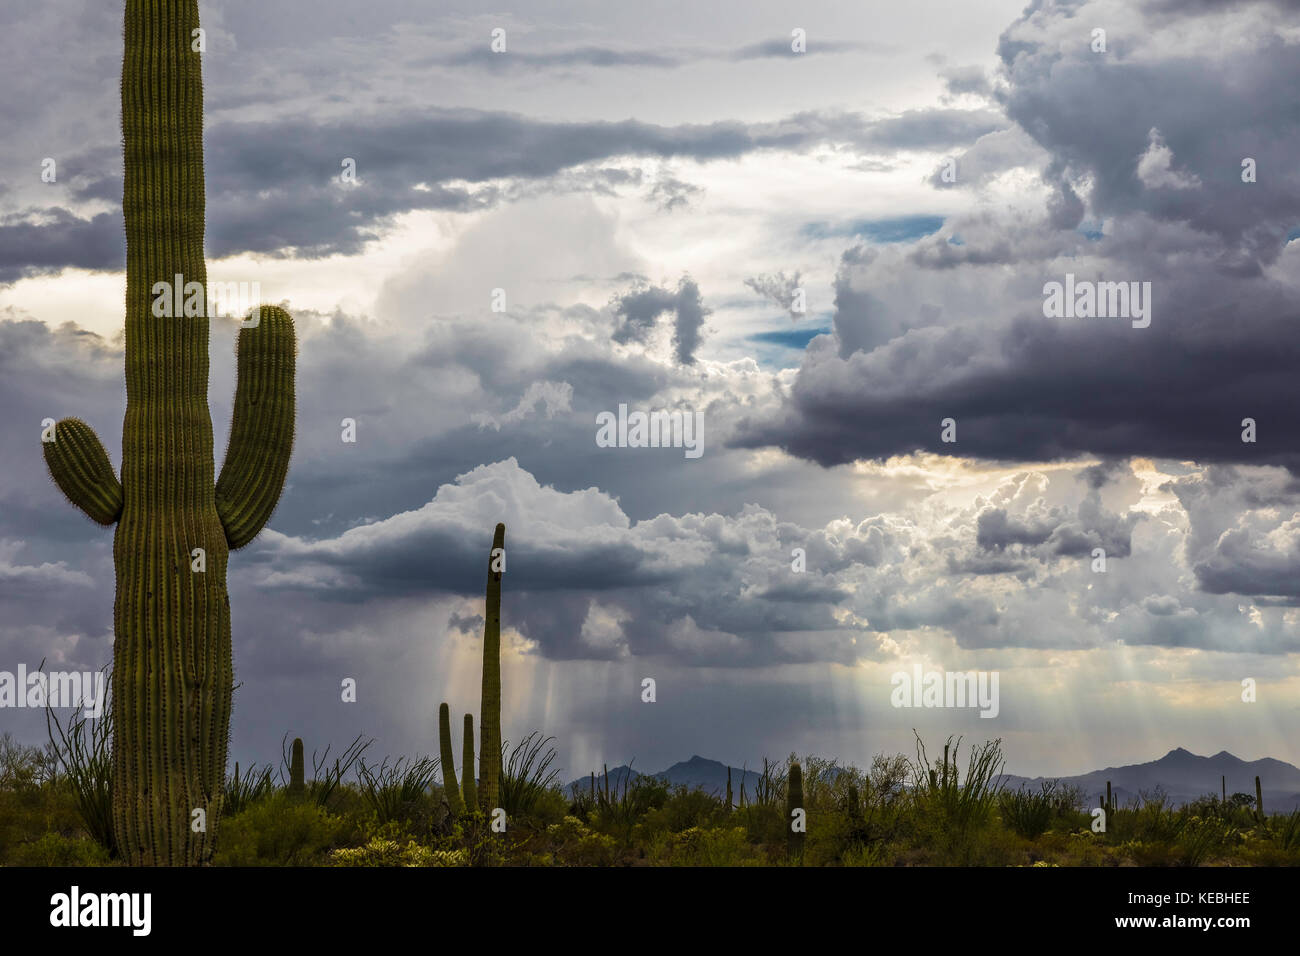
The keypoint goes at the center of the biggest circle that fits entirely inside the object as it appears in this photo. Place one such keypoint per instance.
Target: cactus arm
(261, 432)
(490, 709)
(450, 789)
(79, 465)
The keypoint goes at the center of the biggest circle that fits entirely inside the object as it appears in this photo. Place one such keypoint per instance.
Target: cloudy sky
(654, 188)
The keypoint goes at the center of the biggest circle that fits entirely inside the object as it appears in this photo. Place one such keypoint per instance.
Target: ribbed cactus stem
(793, 802)
(490, 710)
(450, 788)
(297, 770)
(467, 764)
(172, 670)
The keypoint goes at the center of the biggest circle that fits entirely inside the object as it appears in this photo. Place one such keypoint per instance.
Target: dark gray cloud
(639, 312)
(275, 187)
(1221, 346)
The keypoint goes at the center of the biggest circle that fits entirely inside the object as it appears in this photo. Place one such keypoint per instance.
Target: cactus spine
(450, 789)
(490, 708)
(467, 764)
(793, 802)
(297, 771)
(172, 668)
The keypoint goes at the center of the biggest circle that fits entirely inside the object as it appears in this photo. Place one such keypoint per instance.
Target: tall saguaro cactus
(489, 750)
(172, 669)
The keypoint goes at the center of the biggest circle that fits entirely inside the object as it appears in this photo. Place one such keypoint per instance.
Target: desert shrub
(618, 811)
(58, 849)
(952, 810)
(243, 791)
(398, 791)
(703, 846)
(527, 776)
(683, 809)
(384, 851)
(1027, 812)
(573, 843)
(278, 831)
(85, 751)
(327, 778)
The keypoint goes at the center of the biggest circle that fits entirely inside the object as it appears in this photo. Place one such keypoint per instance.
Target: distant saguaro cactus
(297, 771)
(450, 789)
(793, 802)
(1259, 801)
(172, 671)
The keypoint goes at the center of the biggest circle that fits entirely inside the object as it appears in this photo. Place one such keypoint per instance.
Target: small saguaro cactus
(467, 765)
(1110, 802)
(728, 805)
(490, 707)
(297, 771)
(1259, 800)
(450, 789)
(173, 676)
(1223, 780)
(793, 802)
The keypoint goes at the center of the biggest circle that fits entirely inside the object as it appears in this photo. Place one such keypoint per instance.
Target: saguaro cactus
(489, 751)
(297, 771)
(450, 789)
(467, 765)
(793, 802)
(1259, 800)
(172, 669)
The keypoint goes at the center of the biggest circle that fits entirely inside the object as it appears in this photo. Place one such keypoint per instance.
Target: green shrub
(56, 849)
(278, 831)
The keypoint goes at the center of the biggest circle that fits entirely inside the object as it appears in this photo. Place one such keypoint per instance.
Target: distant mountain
(1181, 774)
(1184, 777)
(698, 773)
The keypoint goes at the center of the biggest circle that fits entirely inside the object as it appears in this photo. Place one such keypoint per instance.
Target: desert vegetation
(351, 810)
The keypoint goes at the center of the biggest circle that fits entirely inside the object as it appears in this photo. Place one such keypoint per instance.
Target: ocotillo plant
(490, 708)
(793, 802)
(450, 789)
(297, 771)
(172, 669)
(467, 766)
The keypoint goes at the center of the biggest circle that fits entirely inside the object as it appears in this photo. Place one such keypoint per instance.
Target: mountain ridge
(1182, 775)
